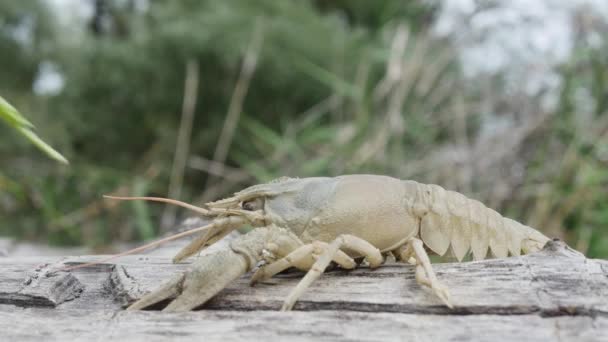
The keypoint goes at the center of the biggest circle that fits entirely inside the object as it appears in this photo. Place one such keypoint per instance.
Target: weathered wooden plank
(556, 293)
(62, 325)
(548, 282)
(516, 285)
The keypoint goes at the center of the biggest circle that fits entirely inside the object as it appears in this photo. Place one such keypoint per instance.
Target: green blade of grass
(328, 78)
(44, 147)
(14, 119)
(12, 116)
(144, 225)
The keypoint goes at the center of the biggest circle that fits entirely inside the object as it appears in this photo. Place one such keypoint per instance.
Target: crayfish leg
(424, 272)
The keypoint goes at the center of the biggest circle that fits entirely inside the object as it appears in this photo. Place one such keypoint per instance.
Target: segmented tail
(451, 220)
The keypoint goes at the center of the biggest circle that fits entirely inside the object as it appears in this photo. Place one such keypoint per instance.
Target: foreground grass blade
(14, 119)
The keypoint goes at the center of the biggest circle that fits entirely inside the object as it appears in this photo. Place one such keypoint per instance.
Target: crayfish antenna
(137, 249)
(206, 236)
(199, 210)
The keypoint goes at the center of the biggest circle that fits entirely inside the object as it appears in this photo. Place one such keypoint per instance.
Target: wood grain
(556, 294)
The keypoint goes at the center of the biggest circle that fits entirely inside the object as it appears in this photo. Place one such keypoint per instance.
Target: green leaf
(14, 119)
(262, 132)
(12, 116)
(44, 147)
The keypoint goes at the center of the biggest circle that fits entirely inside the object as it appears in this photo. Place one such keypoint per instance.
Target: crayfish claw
(170, 289)
(208, 276)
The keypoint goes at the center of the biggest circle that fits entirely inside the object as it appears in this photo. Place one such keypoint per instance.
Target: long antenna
(138, 249)
(164, 200)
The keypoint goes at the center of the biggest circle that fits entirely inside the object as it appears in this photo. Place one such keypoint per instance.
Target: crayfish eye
(253, 205)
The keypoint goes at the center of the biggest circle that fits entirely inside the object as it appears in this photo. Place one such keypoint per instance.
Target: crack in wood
(122, 286)
(512, 310)
(25, 300)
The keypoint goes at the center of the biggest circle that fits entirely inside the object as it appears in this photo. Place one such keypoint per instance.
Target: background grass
(298, 88)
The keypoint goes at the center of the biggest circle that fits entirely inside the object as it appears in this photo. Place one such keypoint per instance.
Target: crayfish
(308, 223)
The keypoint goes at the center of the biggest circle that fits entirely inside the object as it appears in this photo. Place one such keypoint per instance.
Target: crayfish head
(290, 203)
(298, 203)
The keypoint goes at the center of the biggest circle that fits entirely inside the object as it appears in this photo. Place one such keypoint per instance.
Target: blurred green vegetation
(298, 88)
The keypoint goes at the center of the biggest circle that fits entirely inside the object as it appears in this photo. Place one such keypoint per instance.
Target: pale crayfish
(308, 223)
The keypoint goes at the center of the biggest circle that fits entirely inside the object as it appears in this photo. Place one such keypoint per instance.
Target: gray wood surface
(556, 294)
